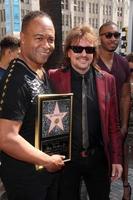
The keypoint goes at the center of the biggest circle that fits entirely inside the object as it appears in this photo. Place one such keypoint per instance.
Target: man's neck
(33, 66)
(38, 69)
(4, 63)
(107, 57)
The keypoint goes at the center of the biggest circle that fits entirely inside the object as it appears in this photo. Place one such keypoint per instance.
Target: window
(74, 20)
(93, 22)
(106, 12)
(63, 20)
(110, 10)
(121, 12)
(4, 17)
(89, 7)
(62, 4)
(75, 7)
(90, 21)
(96, 25)
(96, 8)
(82, 6)
(66, 5)
(93, 8)
(78, 5)
(67, 20)
(118, 12)
(103, 9)
(27, 1)
(78, 20)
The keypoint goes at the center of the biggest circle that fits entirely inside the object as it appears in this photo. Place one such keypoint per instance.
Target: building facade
(93, 12)
(130, 28)
(11, 14)
(73, 12)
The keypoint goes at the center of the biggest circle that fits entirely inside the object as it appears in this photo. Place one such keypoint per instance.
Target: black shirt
(20, 87)
(94, 124)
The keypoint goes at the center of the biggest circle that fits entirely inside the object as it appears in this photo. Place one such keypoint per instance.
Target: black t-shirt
(18, 98)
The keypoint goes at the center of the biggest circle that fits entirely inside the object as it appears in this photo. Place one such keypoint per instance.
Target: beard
(112, 50)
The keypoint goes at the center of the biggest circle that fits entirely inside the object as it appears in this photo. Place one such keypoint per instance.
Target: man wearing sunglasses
(101, 159)
(116, 65)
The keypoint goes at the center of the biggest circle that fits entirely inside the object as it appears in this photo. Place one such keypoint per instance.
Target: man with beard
(96, 138)
(115, 64)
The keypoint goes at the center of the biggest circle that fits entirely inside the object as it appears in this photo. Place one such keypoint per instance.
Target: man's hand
(54, 163)
(124, 132)
(116, 172)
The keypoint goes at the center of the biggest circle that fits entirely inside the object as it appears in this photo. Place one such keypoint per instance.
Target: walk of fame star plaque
(53, 124)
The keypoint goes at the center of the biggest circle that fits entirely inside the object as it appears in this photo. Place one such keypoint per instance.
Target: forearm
(125, 102)
(124, 112)
(18, 148)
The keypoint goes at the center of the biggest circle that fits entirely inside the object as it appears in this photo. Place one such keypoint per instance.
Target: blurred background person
(116, 65)
(9, 49)
(129, 141)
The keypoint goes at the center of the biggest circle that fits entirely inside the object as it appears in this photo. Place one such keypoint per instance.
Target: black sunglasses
(109, 35)
(79, 49)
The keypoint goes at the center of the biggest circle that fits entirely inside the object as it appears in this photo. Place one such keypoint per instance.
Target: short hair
(32, 15)
(108, 23)
(74, 36)
(129, 57)
(9, 42)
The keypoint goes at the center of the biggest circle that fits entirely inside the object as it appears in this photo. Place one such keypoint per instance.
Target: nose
(83, 52)
(45, 43)
(113, 37)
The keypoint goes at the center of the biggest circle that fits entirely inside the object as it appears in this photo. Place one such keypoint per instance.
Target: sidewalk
(116, 187)
(117, 190)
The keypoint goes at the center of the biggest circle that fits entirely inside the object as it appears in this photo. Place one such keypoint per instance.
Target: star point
(56, 118)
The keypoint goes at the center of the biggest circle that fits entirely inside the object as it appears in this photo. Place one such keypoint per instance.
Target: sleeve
(13, 100)
(114, 127)
(127, 70)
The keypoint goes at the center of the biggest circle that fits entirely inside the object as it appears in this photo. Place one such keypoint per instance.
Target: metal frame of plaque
(53, 124)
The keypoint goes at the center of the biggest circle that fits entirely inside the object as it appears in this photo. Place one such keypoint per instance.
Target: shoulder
(102, 73)
(122, 60)
(58, 72)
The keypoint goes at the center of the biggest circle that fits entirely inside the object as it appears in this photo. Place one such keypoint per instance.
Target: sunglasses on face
(79, 49)
(109, 35)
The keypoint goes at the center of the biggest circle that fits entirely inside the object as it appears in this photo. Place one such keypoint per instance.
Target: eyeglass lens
(79, 49)
(109, 35)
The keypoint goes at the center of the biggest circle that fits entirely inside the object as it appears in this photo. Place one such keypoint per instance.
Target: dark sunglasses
(79, 49)
(109, 35)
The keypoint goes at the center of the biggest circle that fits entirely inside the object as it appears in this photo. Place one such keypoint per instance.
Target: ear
(99, 41)
(68, 53)
(8, 52)
(22, 37)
